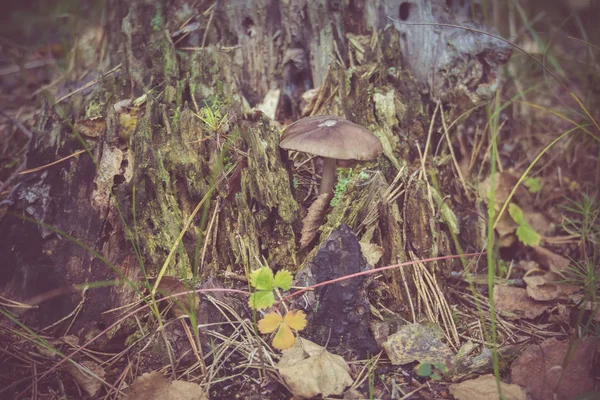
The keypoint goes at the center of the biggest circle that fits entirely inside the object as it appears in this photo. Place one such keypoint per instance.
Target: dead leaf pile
(546, 285)
(514, 303)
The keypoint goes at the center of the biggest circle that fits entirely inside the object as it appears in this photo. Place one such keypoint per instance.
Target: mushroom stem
(329, 175)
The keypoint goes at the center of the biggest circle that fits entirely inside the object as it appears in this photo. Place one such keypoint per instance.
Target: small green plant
(295, 181)
(157, 21)
(534, 185)
(585, 219)
(433, 371)
(212, 118)
(341, 187)
(265, 284)
(503, 267)
(525, 232)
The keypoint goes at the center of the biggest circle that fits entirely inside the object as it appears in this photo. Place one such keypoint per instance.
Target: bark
(129, 198)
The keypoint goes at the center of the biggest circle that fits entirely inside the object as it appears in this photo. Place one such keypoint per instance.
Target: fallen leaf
(122, 105)
(91, 127)
(539, 222)
(309, 97)
(170, 285)
(155, 386)
(552, 261)
(548, 287)
(485, 388)
(506, 228)
(91, 384)
(372, 252)
(416, 342)
(312, 222)
(269, 103)
(504, 184)
(554, 369)
(309, 369)
(514, 303)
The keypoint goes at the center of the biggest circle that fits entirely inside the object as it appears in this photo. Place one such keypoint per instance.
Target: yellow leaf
(295, 319)
(284, 338)
(270, 322)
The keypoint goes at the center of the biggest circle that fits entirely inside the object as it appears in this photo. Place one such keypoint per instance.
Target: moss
(94, 108)
(157, 21)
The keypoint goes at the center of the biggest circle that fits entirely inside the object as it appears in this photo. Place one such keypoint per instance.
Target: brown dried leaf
(155, 386)
(416, 342)
(552, 261)
(553, 368)
(505, 181)
(170, 285)
(538, 222)
(91, 127)
(90, 384)
(372, 252)
(312, 221)
(548, 287)
(513, 303)
(310, 97)
(485, 387)
(309, 369)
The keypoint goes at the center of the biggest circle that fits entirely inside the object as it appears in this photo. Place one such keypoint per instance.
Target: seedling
(433, 371)
(265, 283)
(264, 297)
(341, 187)
(525, 232)
(211, 116)
(534, 185)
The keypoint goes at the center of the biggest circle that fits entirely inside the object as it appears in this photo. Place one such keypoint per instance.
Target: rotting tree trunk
(241, 50)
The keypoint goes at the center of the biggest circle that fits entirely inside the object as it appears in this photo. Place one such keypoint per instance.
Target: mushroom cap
(332, 137)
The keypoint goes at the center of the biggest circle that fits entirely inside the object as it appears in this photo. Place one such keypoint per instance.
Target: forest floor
(537, 329)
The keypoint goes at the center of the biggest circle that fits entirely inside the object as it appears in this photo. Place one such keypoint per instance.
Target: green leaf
(534, 185)
(261, 300)
(527, 235)
(441, 367)
(262, 279)
(515, 213)
(436, 377)
(424, 369)
(283, 279)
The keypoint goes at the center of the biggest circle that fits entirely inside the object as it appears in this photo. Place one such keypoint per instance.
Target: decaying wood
(132, 200)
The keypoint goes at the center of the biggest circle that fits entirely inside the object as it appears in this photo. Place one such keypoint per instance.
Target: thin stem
(329, 175)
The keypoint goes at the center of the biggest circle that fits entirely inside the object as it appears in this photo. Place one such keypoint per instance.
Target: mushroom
(333, 138)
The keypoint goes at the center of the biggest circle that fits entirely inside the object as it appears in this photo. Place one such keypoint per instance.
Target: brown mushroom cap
(332, 137)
